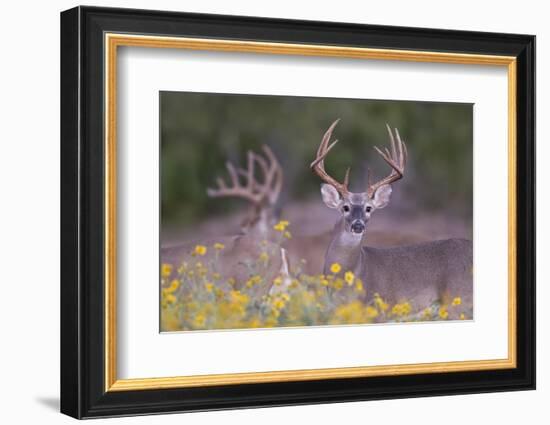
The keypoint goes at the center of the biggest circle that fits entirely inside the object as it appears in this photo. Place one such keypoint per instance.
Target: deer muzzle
(358, 226)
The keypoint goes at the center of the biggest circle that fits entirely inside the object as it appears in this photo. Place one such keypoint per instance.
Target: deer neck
(345, 249)
(259, 222)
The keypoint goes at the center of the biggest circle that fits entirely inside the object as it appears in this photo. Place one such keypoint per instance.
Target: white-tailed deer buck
(261, 195)
(259, 184)
(425, 274)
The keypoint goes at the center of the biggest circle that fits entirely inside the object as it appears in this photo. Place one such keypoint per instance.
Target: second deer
(432, 273)
(259, 183)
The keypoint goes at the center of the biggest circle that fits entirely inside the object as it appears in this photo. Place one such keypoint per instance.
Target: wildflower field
(196, 295)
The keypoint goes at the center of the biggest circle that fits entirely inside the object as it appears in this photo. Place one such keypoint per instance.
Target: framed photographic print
(261, 212)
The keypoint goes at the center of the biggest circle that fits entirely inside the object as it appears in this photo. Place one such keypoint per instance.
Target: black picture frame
(83, 392)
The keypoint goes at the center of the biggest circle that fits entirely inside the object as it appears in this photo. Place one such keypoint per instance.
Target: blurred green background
(201, 131)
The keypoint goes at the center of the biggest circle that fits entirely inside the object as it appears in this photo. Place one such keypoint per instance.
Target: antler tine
(392, 142)
(318, 165)
(237, 189)
(396, 159)
(346, 177)
(402, 149)
(275, 183)
(252, 189)
(232, 173)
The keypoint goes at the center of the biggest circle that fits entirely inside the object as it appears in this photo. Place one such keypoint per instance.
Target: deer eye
(368, 209)
(345, 208)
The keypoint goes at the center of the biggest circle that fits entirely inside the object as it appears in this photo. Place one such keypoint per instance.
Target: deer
(425, 274)
(262, 196)
(259, 184)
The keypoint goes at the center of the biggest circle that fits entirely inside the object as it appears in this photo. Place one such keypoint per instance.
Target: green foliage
(199, 132)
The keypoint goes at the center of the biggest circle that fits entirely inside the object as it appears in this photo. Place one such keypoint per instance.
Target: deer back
(424, 274)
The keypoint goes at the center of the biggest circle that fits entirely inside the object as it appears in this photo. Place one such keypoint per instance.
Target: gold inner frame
(113, 41)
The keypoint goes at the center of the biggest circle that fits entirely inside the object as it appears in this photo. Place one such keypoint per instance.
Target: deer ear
(331, 197)
(382, 196)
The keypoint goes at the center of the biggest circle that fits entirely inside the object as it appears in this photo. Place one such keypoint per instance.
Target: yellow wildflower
(338, 284)
(174, 285)
(443, 313)
(380, 303)
(216, 276)
(462, 316)
(287, 235)
(278, 281)
(209, 286)
(349, 277)
(335, 268)
(169, 298)
(401, 309)
(264, 257)
(371, 312)
(253, 281)
(231, 281)
(285, 297)
(200, 319)
(238, 297)
(200, 250)
(279, 303)
(427, 313)
(349, 313)
(457, 301)
(254, 323)
(166, 270)
(281, 226)
(358, 285)
(219, 246)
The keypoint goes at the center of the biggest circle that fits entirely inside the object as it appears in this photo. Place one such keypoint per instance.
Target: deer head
(260, 186)
(356, 207)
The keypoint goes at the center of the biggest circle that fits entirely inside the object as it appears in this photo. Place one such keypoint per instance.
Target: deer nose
(357, 226)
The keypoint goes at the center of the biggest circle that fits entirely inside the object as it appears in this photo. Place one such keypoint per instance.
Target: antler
(318, 165)
(252, 190)
(396, 159)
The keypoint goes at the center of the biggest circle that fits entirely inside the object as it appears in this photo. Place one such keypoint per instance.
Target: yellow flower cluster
(196, 295)
(401, 309)
(380, 303)
(200, 250)
(254, 280)
(354, 313)
(166, 270)
(281, 226)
